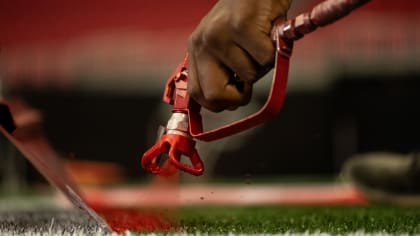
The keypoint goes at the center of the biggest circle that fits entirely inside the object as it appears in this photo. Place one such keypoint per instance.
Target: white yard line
(341, 194)
(82, 233)
(75, 233)
(357, 233)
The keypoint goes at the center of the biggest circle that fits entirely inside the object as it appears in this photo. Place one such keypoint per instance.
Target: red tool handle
(186, 122)
(284, 34)
(268, 111)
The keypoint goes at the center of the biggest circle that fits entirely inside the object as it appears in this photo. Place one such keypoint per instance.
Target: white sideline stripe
(357, 233)
(128, 233)
(196, 194)
(75, 233)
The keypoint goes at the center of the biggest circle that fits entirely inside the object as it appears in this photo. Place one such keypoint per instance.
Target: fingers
(259, 46)
(238, 61)
(211, 86)
(214, 60)
(212, 69)
(233, 39)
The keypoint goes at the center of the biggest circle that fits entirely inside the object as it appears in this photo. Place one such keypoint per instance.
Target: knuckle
(209, 104)
(211, 36)
(213, 97)
(247, 74)
(194, 40)
(240, 25)
(214, 101)
(265, 56)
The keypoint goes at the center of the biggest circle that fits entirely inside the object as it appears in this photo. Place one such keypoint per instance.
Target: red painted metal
(176, 94)
(284, 33)
(176, 145)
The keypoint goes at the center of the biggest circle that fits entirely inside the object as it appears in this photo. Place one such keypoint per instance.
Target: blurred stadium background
(96, 70)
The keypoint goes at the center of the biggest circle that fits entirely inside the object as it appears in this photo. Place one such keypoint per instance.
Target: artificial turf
(16, 217)
(223, 220)
(300, 219)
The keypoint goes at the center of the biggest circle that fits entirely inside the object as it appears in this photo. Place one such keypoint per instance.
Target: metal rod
(322, 14)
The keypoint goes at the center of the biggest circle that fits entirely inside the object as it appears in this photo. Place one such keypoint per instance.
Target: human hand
(230, 50)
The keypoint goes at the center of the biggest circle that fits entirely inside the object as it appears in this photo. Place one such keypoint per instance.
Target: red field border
(193, 195)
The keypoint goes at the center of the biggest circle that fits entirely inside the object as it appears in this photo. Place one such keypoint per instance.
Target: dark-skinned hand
(230, 50)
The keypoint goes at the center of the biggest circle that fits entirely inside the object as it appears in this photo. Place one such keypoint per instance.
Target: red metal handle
(284, 34)
(176, 95)
(270, 109)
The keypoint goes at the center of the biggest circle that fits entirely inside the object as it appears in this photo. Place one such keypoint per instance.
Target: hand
(230, 50)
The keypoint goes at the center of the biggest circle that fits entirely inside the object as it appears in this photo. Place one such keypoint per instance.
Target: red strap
(270, 109)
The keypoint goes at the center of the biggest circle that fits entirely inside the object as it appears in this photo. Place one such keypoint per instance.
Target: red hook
(186, 123)
(175, 146)
(177, 140)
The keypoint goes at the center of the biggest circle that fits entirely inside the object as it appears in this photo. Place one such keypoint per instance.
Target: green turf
(270, 220)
